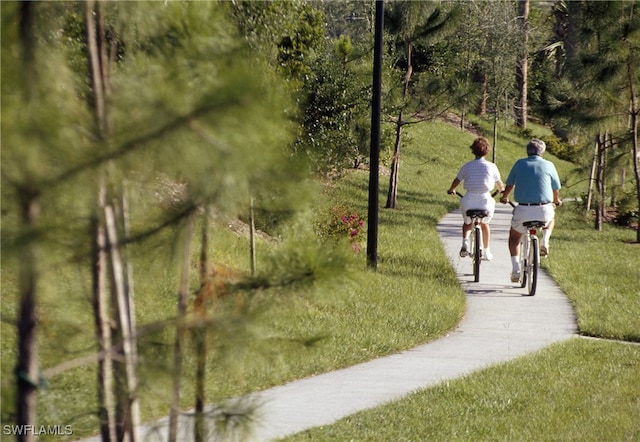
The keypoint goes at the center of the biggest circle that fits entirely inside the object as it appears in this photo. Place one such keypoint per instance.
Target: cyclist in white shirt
(480, 177)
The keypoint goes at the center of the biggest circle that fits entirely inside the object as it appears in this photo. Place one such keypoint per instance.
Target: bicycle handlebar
(493, 195)
(460, 195)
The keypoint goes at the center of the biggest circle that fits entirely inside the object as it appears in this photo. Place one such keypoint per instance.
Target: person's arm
(505, 195)
(500, 186)
(555, 186)
(510, 183)
(454, 184)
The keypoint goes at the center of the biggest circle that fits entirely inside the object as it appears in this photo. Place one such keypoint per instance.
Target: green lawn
(580, 389)
(600, 272)
(355, 316)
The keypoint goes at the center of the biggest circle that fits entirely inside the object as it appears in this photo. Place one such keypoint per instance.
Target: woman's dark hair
(480, 147)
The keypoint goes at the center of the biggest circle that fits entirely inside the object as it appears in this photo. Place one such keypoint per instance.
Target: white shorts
(522, 213)
(482, 201)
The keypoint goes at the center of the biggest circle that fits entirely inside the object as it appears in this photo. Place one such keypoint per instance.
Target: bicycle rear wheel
(477, 256)
(534, 263)
(524, 252)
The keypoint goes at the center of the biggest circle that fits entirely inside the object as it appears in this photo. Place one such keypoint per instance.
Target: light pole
(372, 226)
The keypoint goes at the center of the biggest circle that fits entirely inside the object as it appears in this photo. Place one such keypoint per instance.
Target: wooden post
(592, 178)
(252, 238)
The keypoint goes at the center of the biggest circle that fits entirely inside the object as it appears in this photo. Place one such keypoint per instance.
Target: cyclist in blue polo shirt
(537, 191)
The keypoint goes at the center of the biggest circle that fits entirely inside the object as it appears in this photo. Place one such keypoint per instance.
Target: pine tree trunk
(95, 58)
(130, 316)
(183, 294)
(126, 398)
(522, 66)
(600, 185)
(27, 361)
(392, 195)
(200, 333)
(483, 79)
(494, 154)
(636, 166)
(27, 372)
(102, 318)
(592, 178)
(635, 110)
(252, 239)
(106, 380)
(572, 39)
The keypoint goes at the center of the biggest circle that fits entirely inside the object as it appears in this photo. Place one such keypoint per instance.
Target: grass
(577, 390)
(599, 272)
(291, 334)
(413, 298)
(580, 389)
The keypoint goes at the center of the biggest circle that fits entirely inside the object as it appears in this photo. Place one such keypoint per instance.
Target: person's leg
(467, 227)
(486, 234)
(548, 213)
(514, 251)
(520, 215)
(486, 238)
(466, 232)
(490, 205)
(514, 242)
(546, 234)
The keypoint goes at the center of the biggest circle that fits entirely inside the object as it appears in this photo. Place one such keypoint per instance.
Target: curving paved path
(500, 324)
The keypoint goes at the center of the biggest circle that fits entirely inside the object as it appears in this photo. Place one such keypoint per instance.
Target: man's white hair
(536, 147)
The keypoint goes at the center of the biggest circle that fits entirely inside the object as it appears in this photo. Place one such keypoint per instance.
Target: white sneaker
(487, 255)
(464, 250)
(515, 276)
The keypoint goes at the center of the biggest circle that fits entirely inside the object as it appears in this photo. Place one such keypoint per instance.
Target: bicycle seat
(530, 224)
(477, 213)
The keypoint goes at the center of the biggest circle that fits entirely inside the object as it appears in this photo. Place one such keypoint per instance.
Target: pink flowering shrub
(344, 223)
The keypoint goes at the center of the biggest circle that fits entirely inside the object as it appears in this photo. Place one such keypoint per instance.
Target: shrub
(559, 148)
(343, 223)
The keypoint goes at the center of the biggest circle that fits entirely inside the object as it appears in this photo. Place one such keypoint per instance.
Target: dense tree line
(230, 102)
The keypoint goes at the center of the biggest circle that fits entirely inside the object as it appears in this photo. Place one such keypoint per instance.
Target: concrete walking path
(500, 324)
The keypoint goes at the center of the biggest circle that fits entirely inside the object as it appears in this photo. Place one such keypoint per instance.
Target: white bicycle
(530, 256)
(475, 240)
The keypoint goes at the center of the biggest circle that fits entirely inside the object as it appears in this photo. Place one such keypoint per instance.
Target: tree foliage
(211, 104)
(595, 88)
(184, 108)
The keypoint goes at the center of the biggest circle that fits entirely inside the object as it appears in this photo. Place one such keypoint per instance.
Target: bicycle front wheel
(534, 263)
(477, 257)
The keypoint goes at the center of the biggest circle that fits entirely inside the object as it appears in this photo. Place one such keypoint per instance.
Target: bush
(343, 223)
(559, 148)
